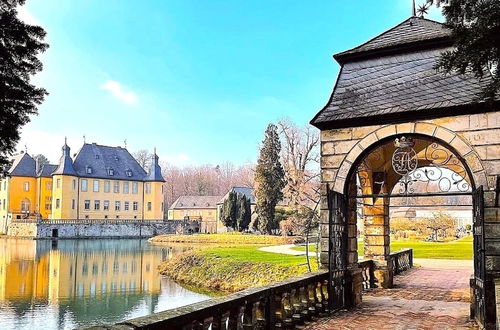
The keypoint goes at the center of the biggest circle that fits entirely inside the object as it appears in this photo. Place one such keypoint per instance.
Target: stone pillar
(377, 239)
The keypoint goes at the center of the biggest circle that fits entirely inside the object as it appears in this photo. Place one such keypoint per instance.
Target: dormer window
(129, 173)
(116, 158)
(96, 156)
(111, 171)
(88, 169)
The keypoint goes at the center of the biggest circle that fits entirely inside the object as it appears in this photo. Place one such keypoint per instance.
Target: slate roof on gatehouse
(393, 75)
(196, 202)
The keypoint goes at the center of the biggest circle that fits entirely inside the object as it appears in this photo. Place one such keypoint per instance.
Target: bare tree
(203, 180)
(300, 159)
(143, 157)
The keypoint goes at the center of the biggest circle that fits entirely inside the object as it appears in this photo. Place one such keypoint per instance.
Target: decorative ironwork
(479, 254)
(337, 250)
(409, 166)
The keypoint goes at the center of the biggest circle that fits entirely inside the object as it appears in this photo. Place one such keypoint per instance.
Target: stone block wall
(476, 139)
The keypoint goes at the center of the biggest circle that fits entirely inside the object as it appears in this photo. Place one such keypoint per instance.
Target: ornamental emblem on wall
(404, 160)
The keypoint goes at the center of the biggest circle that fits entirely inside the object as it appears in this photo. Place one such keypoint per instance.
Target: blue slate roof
(23, 165)
(65, 166)
(106, 162)
(154, 170)
(47, 170)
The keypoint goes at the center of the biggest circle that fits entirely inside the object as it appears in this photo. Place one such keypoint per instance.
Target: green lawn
(459, 249)
(251, 253)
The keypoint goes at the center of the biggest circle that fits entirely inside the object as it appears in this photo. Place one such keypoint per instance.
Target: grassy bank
(460, 249)
(232, 270)
(234, 264)
(234, 238)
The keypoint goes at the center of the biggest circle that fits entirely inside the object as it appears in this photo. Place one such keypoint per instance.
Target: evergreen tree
(269, 180)
(244, 212)
(236, 211)
(20, 43)
(476, 32)
(228, 212)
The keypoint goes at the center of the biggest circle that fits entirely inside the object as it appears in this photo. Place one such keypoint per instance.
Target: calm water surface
(75, 283)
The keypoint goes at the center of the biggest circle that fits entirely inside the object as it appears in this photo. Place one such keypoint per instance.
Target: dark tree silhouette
(476, 31)
(20, 43)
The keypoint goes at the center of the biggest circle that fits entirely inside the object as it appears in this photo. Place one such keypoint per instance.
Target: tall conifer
(269, 180)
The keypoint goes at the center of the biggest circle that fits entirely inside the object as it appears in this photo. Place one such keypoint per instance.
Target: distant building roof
(154, 173)
(104, 162)
(247, 191)
(393, 75)
(65, 166)
(47, 170)
(23, 165)
(196, 202)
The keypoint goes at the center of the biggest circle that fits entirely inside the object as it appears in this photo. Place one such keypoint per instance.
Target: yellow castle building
(100, 182)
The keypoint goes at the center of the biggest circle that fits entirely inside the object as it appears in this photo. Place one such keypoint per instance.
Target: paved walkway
(434, 295)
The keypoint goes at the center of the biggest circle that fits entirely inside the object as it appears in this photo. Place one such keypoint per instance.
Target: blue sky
(198, 80)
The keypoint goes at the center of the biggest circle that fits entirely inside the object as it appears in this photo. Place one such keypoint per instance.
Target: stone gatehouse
(390, 115)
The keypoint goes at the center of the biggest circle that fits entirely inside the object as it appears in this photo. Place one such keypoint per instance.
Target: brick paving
(426, 297)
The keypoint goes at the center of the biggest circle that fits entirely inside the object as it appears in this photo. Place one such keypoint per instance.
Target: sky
(199, 80)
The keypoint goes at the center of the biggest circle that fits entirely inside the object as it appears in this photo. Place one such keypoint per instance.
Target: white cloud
(48, 144)
(119, 92)
(24, 15)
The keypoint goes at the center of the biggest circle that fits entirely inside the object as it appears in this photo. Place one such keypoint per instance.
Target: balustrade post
(411, 258)
(248, 316)
(217, 322)
(234, 318)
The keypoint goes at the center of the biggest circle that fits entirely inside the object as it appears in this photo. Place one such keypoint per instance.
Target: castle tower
(153, 191)
(65, 188)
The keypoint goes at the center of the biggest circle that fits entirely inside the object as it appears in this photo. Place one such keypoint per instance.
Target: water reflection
(83, 282)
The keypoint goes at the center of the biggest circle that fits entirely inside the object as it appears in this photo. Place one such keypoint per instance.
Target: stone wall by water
(97, 230)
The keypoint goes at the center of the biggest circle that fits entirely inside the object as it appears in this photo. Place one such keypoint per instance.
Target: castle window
(97, 205)
(96, 185)
(88, 169)
(84, 185)
(135, 206)
(149, 206)
(126, 206)
(117, 206)
(26, 186)
(4, 204)
(74, 184)
(148, 188)
(58, 183)
(106, 205)
(125, 187)
(116, 186)
(58, 203)
(135, 187)
(48, 185)
(106, 186)
(73, 204)
(87, 204)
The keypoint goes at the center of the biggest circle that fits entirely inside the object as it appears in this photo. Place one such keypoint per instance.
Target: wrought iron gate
(337, 250)
(479, 255)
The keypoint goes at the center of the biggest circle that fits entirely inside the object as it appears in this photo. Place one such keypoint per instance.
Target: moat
(73, 283)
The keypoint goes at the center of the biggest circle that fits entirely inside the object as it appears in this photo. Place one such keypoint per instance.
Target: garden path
(433, 295)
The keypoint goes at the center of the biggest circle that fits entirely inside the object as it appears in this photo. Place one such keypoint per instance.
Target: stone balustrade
(402, 260)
